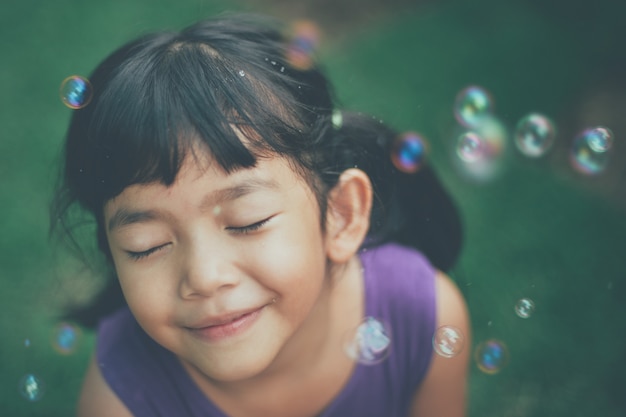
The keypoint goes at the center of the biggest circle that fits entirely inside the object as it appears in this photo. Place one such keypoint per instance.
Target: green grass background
(538, 230)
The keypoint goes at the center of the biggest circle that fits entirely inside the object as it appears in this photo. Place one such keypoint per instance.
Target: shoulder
(443, 391)
(96, 397)
(394, 265)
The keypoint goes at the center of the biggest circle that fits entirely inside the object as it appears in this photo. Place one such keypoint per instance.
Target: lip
(225, 326)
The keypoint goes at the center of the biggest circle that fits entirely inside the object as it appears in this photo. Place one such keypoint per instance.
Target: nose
(207, 271)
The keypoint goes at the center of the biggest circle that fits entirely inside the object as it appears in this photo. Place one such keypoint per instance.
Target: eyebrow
(124, 216)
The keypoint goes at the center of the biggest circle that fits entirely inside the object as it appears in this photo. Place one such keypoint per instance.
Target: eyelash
(250, 228)
(238, 230)
(140, 255)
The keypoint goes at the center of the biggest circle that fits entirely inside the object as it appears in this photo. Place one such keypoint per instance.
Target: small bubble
(489, 323)
(337, 119)
(242, 73)
(534, 135)
(471, 105)
(76, 92)
(591, 149)
(31, 387)
(491, 356)
(470, 147)
(26, 343)
(479, 151)
(66, 338)
(408, 152)
(448, 341)
(369, 343)
(524, 308)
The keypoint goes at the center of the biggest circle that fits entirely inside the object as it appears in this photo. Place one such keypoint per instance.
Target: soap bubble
(76, 92)
(591, 149)
(31, 387)
(26, 343)
(479, 151)
(471, 105)
(448, 341)
(534, 135)
(524, 308)
(408, 152)
(305, 37)
(66, 338)
(370, 343)
(470, 147)
(491, 356)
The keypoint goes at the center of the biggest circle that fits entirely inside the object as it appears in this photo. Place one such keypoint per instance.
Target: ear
(348, 215)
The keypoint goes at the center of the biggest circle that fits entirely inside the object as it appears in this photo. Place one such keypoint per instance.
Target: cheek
(292, 262)
(146, 293)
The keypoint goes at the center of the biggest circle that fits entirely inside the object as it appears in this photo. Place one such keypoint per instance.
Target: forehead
(202, 182)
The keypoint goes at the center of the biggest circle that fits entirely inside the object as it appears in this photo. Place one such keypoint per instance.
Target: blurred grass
(531, 232)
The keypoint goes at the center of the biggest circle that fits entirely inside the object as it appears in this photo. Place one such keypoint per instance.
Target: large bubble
(471, 105)
(31, 387)
(369, 343)
(448, 341)
(76, 92)
(304, 41)
(491, 356)
(408, 152)
(591, 150)
(534, 135)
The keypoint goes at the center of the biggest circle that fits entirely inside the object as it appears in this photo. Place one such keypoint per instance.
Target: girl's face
(224, 270)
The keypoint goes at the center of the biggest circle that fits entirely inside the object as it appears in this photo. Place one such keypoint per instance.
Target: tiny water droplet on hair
(282, 69)
(242, 73)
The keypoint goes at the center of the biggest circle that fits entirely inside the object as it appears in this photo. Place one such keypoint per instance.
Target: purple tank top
(399, 290)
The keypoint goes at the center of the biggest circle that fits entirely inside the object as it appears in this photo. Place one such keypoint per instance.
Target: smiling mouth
(226, 327)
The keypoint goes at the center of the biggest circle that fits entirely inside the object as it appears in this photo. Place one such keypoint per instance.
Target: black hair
(158, 97)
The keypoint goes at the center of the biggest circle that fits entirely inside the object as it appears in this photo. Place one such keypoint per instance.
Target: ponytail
(411, 209)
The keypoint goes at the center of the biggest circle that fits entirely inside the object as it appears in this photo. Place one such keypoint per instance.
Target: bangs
(175, 91)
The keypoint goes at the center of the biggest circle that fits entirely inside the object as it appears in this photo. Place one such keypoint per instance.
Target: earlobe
(348, 215)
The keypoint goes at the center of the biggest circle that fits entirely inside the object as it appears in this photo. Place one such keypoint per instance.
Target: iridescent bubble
(591, 149)
(370, 343)
(471, 105)
(470, 147)
(491, 356)
(534, 135)
(524, 308)
(304, 41)
(66, 338)
(408, 152)
(479, 151)
(76, 92)
(31, 387)
(448, 341)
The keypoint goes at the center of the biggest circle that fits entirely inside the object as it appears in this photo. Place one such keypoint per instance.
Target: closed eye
(249, 228)
(143, 254)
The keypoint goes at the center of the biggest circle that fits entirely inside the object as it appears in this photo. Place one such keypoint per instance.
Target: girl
(250, 236)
